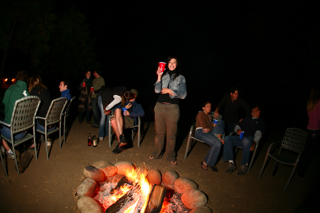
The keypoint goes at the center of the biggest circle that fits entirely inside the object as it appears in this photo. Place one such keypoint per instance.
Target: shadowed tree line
(36, 37)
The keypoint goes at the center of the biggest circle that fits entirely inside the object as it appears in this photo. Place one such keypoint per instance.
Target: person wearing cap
(131, 111)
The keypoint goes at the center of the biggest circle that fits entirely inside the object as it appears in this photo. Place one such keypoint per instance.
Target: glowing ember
(136, 178)
(119, 193)
(131, 208)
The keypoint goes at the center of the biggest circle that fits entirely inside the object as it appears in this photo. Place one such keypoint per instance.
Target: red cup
(92, 90)
(162, 65)
(84, 84)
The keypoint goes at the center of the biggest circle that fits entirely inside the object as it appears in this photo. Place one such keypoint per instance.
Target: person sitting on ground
(38, 89)
(14, 92)
(205, 131)
(130, 114)
(231, 105)
(252, 128)
(64, 84)
(109, 99)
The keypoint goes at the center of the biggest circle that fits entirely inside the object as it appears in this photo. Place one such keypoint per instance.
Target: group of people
(244, 132)
(24, 87)
(120, 103)
(172, 86)
(117, 102)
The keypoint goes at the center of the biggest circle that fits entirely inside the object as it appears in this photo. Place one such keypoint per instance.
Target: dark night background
(267, 49)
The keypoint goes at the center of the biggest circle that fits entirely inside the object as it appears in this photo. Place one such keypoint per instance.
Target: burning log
(156, 199)
(124, 180)
(124, 200)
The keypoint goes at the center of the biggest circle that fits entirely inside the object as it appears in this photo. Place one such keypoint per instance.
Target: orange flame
(139, 176)
(131, 208)
(122, 191)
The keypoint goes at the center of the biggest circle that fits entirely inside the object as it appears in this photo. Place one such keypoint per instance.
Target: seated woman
(36, 88)
(205, 130)
(109, 99)
(131, 110)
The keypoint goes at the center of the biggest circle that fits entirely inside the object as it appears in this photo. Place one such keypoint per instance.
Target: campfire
(126, 188)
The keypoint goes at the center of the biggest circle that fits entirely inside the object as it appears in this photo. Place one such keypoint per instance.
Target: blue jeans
(41, 128)
(212, 141)
(232, 141)
(95, 110)
(6, 132)
(219, 128)
(103, 125)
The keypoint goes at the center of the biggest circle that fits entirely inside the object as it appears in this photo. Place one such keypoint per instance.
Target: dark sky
(266, 49)
(269, 50)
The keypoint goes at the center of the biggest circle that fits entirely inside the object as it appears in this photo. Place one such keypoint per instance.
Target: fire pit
(126, 188)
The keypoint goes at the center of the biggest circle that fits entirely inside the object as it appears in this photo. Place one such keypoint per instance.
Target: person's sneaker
(231, 168)
(100, 138)
(10, 154)
(243, 170)
(123, 139)
(49, 141)
(118, 150)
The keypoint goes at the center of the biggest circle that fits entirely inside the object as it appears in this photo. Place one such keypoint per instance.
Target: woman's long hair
(128, 95)
(177, 70)
(34, 81)
(314, 99)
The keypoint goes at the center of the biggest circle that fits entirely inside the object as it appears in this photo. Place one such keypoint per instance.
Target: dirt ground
(50, 185)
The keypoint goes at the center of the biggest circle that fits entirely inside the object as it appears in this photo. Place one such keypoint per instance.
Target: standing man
(64, 84)
(231, 104)
(252, 128)
(13, 93)
(98, 84)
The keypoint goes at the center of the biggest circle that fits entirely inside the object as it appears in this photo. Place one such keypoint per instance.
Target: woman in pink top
(313, 128)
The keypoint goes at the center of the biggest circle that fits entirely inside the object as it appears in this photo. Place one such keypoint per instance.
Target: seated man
(133, 110)
(252, 128)
(13, 93)
(64, 84)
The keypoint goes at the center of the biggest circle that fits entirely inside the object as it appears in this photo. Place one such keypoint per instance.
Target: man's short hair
(98, 71)
(233, 89)
(66, 82)
(259, 107)
(22, 76)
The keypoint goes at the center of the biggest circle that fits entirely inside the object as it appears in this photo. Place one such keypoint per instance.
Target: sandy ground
(50, 185)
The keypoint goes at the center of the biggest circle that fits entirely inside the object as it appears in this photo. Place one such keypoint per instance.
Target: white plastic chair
(22, 119)
(294, 140)
(53, 117)
(65, 115)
